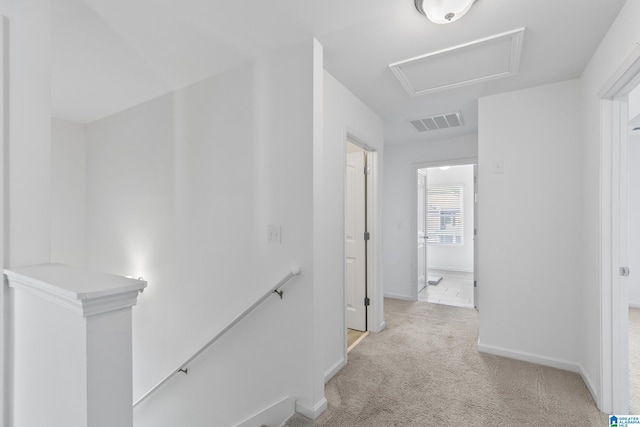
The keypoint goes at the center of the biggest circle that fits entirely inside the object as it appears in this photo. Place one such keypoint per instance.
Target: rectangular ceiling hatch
(478, 61)
(441, 121)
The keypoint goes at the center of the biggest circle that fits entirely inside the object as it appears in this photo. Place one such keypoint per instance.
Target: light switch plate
(274, 233)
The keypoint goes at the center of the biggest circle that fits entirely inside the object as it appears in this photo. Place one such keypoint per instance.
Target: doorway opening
(619, 109)
(446, 247)
(359, 235)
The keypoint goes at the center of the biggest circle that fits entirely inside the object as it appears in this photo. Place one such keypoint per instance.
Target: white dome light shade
(444, 11)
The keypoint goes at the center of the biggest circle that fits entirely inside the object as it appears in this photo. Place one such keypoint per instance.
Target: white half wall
(399, 203)
(181, 191)
(454, 257)
(343, 114)
(67, 193)
(621, 39)
(529, 222)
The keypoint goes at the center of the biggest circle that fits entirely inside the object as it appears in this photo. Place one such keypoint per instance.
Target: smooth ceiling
(109, 55)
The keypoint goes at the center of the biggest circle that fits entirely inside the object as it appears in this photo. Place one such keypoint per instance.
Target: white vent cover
(478, 61)
(441, 121)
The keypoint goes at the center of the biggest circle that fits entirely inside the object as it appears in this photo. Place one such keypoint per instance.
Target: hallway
(424, 370)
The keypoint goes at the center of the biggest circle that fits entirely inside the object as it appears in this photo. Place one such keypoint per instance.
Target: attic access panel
(478, 61)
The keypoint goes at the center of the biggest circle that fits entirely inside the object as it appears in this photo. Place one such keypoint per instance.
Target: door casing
(614, 299)
(414, 210)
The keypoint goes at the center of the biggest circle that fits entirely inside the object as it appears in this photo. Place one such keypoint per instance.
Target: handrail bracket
(183, 367)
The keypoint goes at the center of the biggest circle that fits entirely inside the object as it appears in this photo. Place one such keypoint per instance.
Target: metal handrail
(183, 366)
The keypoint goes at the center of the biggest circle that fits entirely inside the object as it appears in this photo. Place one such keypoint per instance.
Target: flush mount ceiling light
(444, 11)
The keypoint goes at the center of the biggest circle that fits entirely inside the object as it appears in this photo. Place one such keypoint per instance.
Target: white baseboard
(590, 386)
(381, 327)
(312, 412)
(273, 415)
(334, 369)
(634, 304)
(565, 365)
(451, 269)
(545, 361)
(396, 296)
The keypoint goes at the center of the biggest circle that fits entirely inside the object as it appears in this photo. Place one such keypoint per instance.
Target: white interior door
(422, 229)
(355, 245)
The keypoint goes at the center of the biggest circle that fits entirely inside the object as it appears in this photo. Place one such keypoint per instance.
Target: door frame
(414, 211)
(614, 316)
(375, 313)
(359, 205)
(5, 358)
(422, 176)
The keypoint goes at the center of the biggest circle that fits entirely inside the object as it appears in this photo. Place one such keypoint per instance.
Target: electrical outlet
(274, 234)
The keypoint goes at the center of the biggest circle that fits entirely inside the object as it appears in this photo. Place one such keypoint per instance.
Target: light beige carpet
(424, 370)
(634, 360)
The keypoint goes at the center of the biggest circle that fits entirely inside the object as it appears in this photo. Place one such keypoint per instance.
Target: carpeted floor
(424, 370)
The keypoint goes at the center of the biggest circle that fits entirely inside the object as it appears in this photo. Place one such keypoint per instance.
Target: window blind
(444, 215)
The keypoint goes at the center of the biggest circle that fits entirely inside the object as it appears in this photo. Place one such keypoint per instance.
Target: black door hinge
(367, 235)
(367, 302)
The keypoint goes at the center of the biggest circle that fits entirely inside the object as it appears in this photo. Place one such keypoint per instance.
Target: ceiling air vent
(441, 121)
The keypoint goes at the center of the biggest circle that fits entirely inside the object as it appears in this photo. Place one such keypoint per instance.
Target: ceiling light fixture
(444, 11)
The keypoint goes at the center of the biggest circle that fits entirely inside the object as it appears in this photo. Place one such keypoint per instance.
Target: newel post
(71, 348)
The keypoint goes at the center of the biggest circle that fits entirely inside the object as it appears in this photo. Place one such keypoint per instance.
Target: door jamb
(375, 316)
(414, 210)
(614, 368)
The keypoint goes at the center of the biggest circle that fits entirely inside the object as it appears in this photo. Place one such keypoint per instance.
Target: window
(444, 215)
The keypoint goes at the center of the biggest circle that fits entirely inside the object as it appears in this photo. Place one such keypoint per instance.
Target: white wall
(67, 193)
(180, 190)
(25, 154)
(399, 203)
(454, 257)
(29, 151)
(529, 224)
(617, 45)
(634, 219)
(343, 113)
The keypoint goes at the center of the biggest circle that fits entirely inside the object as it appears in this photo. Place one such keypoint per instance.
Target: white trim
(375, 314)
(398, 296)
(516, 37)
(593, 390)
(414, 211)
(614, 396)
(5, 315)
(565, 365)
(273, 415)
(634, 305)
(334, 369)
(79, 290)
(314, 412)
(452, 270)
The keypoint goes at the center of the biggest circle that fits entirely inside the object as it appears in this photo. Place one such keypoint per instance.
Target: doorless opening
(445, 229)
